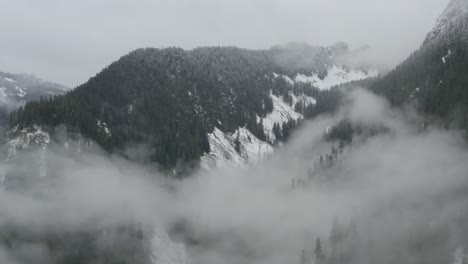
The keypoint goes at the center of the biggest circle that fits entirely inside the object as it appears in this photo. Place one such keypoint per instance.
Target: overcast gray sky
(68, 41)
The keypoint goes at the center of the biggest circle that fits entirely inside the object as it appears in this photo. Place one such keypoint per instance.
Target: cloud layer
(399, 195)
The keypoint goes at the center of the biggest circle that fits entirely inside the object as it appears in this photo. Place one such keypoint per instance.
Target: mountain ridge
(172, 99)
(454, 16)
(433, 79)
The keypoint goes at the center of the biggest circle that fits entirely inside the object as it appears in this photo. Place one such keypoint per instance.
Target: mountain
(434, 79)
(18, 89)
(177, 103)
(225, 106)
(451, 21)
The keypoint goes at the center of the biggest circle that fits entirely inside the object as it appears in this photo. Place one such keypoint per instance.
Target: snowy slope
(281, 113)
(223, 149)
(336, 75)
(251, 149)
(223, 152)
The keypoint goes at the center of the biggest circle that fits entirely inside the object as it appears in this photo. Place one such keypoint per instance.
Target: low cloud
(398, 196)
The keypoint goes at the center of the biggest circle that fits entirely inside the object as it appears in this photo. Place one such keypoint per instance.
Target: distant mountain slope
(435, 78)
(18, 89)
(173, 101)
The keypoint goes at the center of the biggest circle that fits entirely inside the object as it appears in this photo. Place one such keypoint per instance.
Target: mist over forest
(287, 142)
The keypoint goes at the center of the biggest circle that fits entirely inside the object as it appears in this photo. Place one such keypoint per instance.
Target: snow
(336, 75)
(415, 92)
(26, 138)
(285, 77)
(281, 113)
(164, 251)
(444, 59)
(306, 100)
(251, 148)
(223, 151)
(102, 126)
(8, 79)
(21, 92)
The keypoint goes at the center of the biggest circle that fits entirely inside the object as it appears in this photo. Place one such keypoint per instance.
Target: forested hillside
(435, 78)
(170, 99)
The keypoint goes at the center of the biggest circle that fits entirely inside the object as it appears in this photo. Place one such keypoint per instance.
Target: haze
(69, 41)
(378, 185)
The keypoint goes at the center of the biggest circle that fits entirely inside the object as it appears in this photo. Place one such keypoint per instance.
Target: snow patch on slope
(304, 99)
(102, 127)
(223, 149)
(9, 79)
(336, 75)
(444, 58)
(21, 92)
(285, 77)
(251, 149)
(282, 112)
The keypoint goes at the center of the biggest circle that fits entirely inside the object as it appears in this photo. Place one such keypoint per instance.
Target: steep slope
(173, 101)
(434, 79)
(451, 21)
